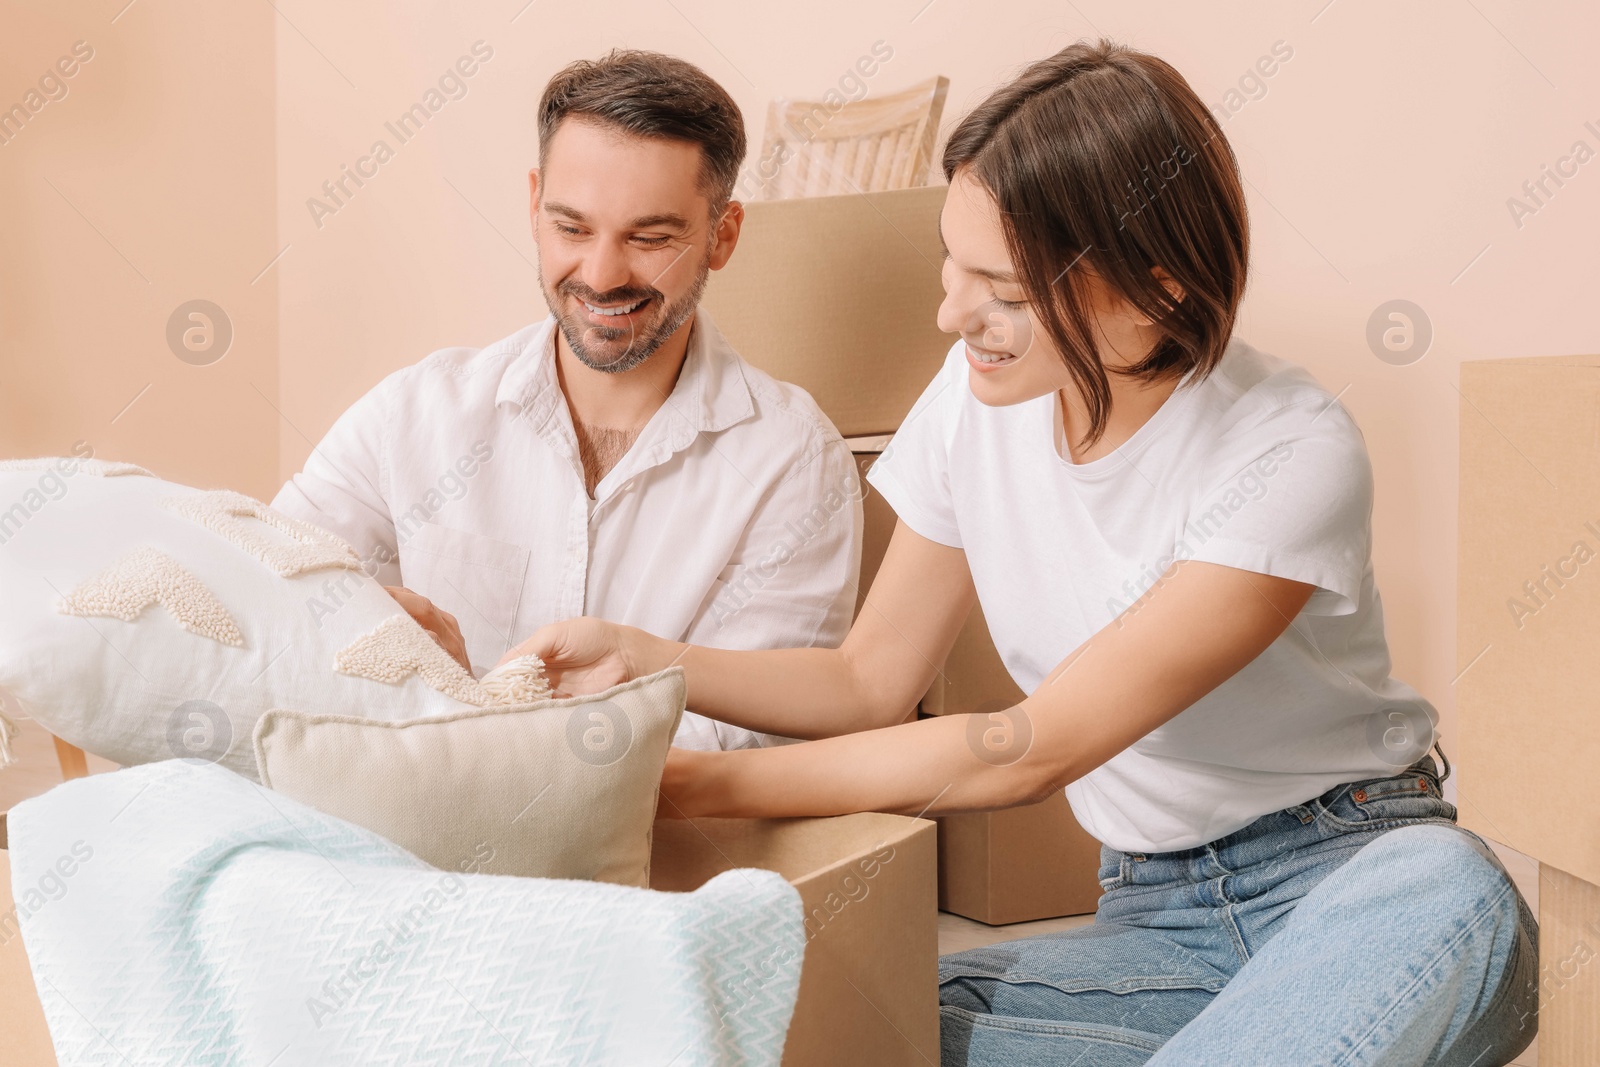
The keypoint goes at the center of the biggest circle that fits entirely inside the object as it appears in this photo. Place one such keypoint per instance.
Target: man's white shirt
(734, 520)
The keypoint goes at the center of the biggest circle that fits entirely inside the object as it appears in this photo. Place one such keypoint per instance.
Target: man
(618, 459)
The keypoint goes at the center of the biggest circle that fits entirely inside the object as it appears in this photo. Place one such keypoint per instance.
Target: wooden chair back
(861, 146)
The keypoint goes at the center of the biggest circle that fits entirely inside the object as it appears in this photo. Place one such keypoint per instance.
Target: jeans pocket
(1411, 796)
(1113, 873)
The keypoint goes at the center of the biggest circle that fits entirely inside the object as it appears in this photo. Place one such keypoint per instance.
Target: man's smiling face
(626, 239)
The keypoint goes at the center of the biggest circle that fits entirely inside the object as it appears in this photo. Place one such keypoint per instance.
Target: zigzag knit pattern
(237, 926)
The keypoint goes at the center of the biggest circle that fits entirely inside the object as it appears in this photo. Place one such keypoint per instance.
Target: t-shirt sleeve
(342, 487)
(1294, 501)
(913, 473)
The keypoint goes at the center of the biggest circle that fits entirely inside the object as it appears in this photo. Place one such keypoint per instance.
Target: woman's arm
(1185, 638)
(920, 598)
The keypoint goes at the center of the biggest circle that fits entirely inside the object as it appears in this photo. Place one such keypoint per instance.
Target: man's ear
(726, 235)
(533, 202)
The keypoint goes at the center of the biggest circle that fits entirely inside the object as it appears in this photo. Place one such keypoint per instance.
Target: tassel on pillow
(517, 681)
(8, 733)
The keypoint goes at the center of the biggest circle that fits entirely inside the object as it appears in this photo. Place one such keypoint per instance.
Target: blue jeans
(1363, 927)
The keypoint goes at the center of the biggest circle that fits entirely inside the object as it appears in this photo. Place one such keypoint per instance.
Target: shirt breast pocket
(477, 579)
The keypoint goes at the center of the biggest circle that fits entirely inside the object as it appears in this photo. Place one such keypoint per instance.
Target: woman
(1169, 533)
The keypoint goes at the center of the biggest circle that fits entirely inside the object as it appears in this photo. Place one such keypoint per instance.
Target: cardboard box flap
(689, 852)
(1532, 361)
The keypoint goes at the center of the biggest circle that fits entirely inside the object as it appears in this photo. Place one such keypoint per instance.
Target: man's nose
(606, 268)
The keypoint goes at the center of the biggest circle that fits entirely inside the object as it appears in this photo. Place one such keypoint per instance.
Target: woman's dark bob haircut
(1101, 157)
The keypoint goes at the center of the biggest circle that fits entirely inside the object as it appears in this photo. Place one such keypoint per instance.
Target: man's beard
(619, 349)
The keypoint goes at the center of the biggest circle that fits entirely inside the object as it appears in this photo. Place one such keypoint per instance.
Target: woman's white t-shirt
(1254, 466)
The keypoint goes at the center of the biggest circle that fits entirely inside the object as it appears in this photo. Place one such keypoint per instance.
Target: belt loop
(1438, 748)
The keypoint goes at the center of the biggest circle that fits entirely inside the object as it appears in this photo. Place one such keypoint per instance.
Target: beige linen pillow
(552, 789)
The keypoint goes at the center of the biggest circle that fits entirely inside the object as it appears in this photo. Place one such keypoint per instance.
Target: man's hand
(441, 624)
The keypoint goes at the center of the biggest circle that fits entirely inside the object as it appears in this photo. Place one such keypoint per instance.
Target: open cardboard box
(869, 981)
(869, 976)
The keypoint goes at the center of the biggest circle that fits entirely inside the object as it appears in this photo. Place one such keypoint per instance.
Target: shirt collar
(711, 393)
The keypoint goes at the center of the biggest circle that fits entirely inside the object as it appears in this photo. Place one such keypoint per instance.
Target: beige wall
(1380, 159)
(149, 184)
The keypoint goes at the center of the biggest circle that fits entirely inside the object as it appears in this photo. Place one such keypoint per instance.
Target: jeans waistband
(1272, 821)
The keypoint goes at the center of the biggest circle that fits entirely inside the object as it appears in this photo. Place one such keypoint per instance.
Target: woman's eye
(1014, 305)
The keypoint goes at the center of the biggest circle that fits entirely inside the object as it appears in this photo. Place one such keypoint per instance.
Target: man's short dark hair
(648, 94)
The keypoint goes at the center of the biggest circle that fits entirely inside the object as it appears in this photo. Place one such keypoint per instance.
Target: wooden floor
(37, 770)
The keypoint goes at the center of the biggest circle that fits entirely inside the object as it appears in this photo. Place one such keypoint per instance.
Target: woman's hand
(441, 625)
(587, 655)
(685, 780)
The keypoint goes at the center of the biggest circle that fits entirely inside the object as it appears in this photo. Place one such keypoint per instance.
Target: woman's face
(1010, 357)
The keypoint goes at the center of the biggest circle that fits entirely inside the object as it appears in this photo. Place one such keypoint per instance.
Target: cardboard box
(1011, 866)
(1018, 864)
(1528, 628)
(1528, 603)
(878, 518)
(839, 295)
(869, 981)
(1569, 984)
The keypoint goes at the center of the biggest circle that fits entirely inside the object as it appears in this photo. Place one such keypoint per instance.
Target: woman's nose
(956, 313)
(963, 312)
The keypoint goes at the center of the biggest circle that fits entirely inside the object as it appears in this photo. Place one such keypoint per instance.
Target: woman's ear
(1173, 289)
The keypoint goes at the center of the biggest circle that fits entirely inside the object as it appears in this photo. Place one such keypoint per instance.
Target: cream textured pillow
(144, 620)
(553, 789)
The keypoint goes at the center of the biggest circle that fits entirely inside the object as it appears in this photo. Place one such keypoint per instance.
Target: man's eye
(570, 231)
(651, 242)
